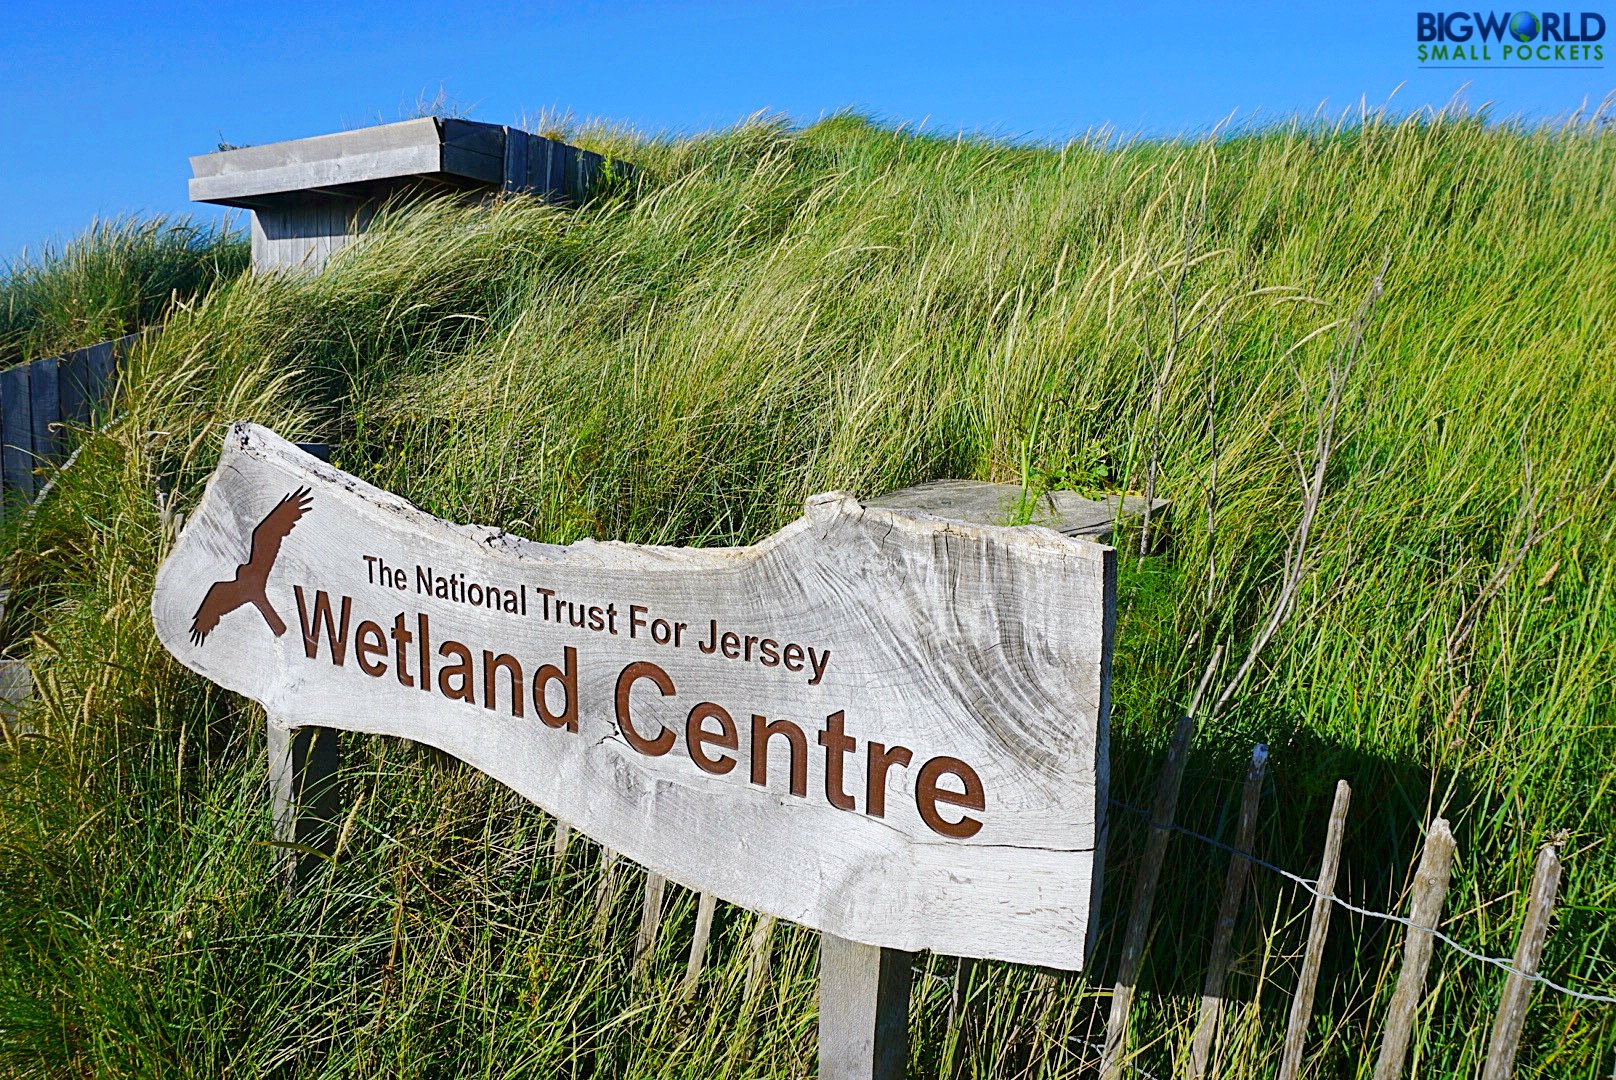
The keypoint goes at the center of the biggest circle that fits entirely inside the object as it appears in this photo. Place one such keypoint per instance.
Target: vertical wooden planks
(1517, 996)
(16, 434)
(863, 1010)
(1302, 1004)
(45, 409)
(1430, 888)
(1163, 808)
(1206, 1026)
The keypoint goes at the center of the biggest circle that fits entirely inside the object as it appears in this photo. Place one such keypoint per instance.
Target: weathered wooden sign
(881, 725)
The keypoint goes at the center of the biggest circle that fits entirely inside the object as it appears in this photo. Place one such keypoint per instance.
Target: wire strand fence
(1311, 886)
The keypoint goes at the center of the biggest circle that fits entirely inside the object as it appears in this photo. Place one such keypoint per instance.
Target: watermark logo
(1525, 39)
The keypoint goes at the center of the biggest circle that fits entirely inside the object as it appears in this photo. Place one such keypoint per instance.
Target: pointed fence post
(705, 906)
(1302, 1004)
(1162, 810)
(1517, 996)
(563, 836)
(863, 1010)
(1425, 910)
(1217, 970)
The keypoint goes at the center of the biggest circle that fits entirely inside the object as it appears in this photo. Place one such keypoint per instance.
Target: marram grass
(773, 312)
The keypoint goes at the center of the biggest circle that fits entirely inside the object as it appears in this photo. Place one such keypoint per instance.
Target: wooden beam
(1430, 887)
(1517, 996)
(863, 1010)
(705, 907)
(1301, 1014)
(16, 434)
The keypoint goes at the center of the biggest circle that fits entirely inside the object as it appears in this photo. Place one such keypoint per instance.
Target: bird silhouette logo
(252, 577)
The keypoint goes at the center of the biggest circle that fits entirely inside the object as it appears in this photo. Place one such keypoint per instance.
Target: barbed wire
(1311, 885)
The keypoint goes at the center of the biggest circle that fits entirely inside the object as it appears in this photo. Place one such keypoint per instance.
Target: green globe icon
(1524, 26)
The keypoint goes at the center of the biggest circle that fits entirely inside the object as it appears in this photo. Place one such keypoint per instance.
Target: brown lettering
(491, 664)
(875, 785)
(568, 716)
(697, 737)
(338, 639)
(837, 746)
(466, 691)
(401, 639)
(928, 795)
(762, 731)
(643, 669)
(369, 641)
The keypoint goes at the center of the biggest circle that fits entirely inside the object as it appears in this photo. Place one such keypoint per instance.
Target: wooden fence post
(1144, 895)
(1425, 910)
(705, 906)
(1206, 1026)
(863, 1010)
(605, 895)
(757, 950)
(650, 923)
(1517, 994)
(303, 766)
(1302, 1004)
(563, 835)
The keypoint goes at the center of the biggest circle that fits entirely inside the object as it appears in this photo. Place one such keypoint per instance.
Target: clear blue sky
(105, 102)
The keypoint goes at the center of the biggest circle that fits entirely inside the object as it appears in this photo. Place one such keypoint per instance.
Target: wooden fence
(39, 400)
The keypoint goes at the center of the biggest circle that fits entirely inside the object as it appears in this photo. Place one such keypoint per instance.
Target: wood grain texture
(1430, 888)
(982, 651)
(1517, 996)
(1301, 1013)
(16, 434)
(863, 1010)
(45, 408)
(705, 906)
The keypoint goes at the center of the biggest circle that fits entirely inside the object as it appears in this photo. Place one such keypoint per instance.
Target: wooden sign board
(877, 724)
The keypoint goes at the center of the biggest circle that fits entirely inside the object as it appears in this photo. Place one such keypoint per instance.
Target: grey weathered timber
(705, 907)
(1517, 996)
(1425, 911)
(45, 408)
(983, 503)
(307, 801)
(40, 399)
(650, 923)
(16, 689)
(311, 197)
(605, 896)
(1217, 967)
(863, 1010)
(1302, 1003)
(1163, 808)
(563, 837)
(303, 766)
(879, 725)
(16, 433)
(759, 951)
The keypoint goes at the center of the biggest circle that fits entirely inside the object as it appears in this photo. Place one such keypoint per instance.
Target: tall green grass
(119, 276)
(774, 312)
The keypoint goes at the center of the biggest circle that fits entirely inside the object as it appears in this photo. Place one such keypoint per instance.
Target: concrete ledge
(452, 150)
(982, 503)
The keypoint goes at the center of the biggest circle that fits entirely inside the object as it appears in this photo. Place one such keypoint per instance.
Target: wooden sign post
(884, 726)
